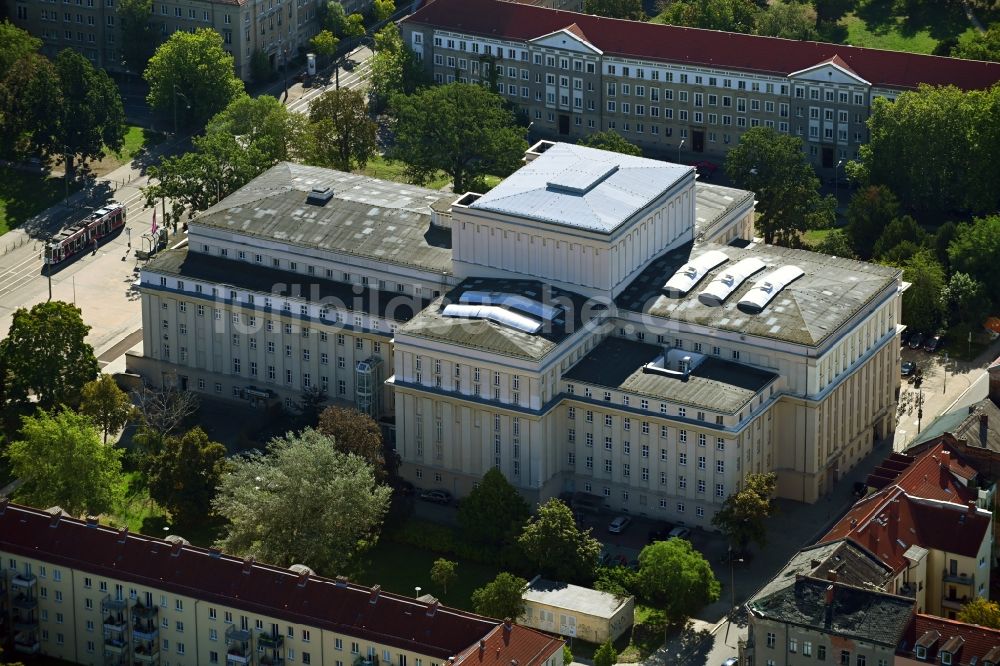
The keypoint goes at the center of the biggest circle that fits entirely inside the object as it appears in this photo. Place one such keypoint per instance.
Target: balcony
(960, 579)
(24, 602)
(145, 612)
(109, 604)
(23, 580)
(24, 621)
(237, 657)
(147, 656)
(114, 646)
(955, 603)
(268, 641)
(370, 660)
(145, 631)
(26, 647)
(115, 623)
(270, 660)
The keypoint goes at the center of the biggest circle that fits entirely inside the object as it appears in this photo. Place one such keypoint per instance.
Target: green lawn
(136, 139)
(23, 195)
(860, 33)
(399, 568)
(814, 237)
(379, 167)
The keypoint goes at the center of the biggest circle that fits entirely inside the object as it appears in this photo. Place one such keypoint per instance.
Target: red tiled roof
(709, 48)
(508, 645)
(888, 522)
(974, 640)
(575, 29)
(393, 620)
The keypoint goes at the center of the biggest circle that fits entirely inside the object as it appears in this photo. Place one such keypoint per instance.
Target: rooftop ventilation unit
(513, 301)
(724, 284)
(765, 289)
(495, 314)
(692, 272)
(319, 196)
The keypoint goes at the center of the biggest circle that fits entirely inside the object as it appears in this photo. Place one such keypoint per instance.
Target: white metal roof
(768, 287)
(582, 187)
(728, 281)
(495, 314)
(688, 275)
(515, 301)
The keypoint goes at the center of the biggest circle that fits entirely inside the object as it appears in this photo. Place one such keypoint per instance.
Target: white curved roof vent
(513, 301)
(688, 275)
(728, 281)
(495, 314)
(768, 287)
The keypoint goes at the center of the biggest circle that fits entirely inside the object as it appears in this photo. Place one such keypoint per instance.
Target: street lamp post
(679, 146)
(283, 49)
(945, 373)
(187, 103)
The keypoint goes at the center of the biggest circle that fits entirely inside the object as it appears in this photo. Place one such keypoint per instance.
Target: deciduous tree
(46, 354)
(324, 44)
(393, 69)
(728, 15)
(501, 597)
(676, 577)
(184, 476)
(773, 166)
(161, 413)
(443, 572)
(30, 102)
(108, 406)
(553, 543)
(790, 20)
(301, 475)
(979, 45)
(343, 136)
(196, 66)
(91, 118)
(900, 232)
(622, 9)
(494, 512)
(923, 309)
(354, 432)
(975, 250)
(868, 213)
(606, 654)
(956, 131)
(138, 33)
(17, 44)
(61, 461)
(836, 243)
(966, 299)
(981, 611)
(433, 133)
(382, 9)
(742, 515)
(611, 140)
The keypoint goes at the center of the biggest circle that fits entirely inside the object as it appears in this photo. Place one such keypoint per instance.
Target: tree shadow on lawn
(940, 19)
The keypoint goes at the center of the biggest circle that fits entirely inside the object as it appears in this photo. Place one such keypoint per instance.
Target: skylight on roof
(495, 314)
(691, 273)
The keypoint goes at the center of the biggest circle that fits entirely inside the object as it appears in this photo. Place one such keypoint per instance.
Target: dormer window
(921, 652)
(946, 658)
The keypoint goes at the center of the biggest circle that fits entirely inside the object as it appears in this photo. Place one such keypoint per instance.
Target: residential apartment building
(278, 28)
(683, 93)
(89, 594)
(935, 640)
(596, 323)
(825, 606)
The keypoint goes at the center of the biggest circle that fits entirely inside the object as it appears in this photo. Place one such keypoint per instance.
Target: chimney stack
(175, 549)
(303, 578)
(432, 609)
(376, 589)
(91, 521)
(123, 535)
(248, 565)
(972, 506)
(829, 595)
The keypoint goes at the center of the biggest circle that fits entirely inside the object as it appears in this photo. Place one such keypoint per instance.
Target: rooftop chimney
(829, 594)
(54, 521)
(376, 589)
(341, 581)
(432, 609)
(3, 505)
(303, 578)
(175, 549)
(248, 565)
(214, 552)
(123, 535)
(984, 425)
(91, 521)
(972, 506)
(482, 644)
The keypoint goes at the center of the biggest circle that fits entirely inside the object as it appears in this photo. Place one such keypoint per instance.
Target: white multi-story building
(597, 323)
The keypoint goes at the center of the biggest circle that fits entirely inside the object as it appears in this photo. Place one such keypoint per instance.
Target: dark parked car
(916, 340)
(907, 369)
(436, 496)
(402, 486)
(660, 532)
(932, 343)
(619, 524)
